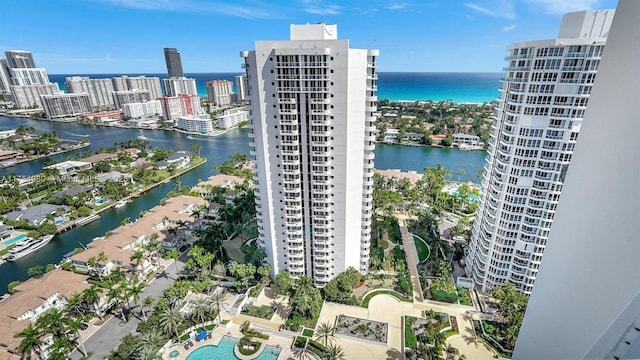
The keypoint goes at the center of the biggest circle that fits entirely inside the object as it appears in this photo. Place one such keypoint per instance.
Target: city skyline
(460, 36)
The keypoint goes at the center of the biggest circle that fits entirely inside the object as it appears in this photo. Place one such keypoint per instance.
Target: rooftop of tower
(320, 31)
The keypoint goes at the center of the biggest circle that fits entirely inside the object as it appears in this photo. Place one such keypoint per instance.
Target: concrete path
(102, 339)
(412, 260)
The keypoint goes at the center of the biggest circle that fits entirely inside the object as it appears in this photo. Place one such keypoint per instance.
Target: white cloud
(192, 6)
(396, 6)
(324, 10)
(559, 7)
(495, 8)
(509, 27)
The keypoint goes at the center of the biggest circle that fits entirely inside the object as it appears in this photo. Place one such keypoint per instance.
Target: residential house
(38, 214)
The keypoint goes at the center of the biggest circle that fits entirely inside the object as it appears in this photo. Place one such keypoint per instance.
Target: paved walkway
(102, 339)
(412, 260)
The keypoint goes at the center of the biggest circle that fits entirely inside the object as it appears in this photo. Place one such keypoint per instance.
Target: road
(102, 339)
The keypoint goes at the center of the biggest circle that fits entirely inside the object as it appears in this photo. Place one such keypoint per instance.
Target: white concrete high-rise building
(122, 83)
(177, 86)
(232, 118)
(196, 124)
(241, 86)
(28, 76)
(586, 302)
(66, 105)
(130, 96)
(99, 90)
(5, 80)
(20, 59)
(27, 96)
(545, 92)
(312, 103)
(142, 109)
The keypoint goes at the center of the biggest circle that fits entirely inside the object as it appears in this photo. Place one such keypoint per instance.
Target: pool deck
(277, 340)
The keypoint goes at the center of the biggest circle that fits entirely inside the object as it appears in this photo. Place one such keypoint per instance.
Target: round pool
(174, 354)
(224, 351)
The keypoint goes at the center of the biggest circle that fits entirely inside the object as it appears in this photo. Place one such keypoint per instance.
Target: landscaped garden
(361, 328)
(263, 312)
(425, 336)
(422, 248)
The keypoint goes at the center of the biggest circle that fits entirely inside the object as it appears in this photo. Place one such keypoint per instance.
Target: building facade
(588, 286)
(174, 62)
(220, 92)
(545, 92)
(20, 59)
(122, 83)
(312, 103)
(242, 86)
(99, 90)
(181, 105)
(130, 96)
(178, 86)
(66, 105)
(5, 82)
(201, 125)
(31, 76)
(142, 109)
(28, 96)
(232, 118)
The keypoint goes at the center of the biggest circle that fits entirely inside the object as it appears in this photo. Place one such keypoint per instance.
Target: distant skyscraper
(100, 91)
(26, 96)
(312, 112)
(586, 302)
(174, 63)
(241, 85)
(123, 83)
(130, 96)
(544, 95)
(180, 105)
(5, 79)
(65, 105)
(220, 92)
(20, 59)
(177, 86)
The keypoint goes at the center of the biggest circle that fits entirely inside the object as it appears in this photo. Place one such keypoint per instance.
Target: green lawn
(423, 249)
(410, 340)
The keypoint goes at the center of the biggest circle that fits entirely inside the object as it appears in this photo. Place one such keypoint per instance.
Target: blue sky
(128, 36)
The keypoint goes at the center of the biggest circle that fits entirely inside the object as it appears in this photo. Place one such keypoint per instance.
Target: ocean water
(457, 87)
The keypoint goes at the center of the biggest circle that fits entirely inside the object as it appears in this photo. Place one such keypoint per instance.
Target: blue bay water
(457, 87)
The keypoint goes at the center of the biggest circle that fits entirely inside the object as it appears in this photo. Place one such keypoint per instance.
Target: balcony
(287, 64)
(521, 56)
(320, 112)
(286, 100)
(319, 101)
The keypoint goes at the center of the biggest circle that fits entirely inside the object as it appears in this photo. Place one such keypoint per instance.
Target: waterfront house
(115, 176)
(125, 240)
(30, 300)
(70, 167)
(180, 159)
(38, 214)
(75, 190)
(93, 159)
(466, 139)
(11, 155)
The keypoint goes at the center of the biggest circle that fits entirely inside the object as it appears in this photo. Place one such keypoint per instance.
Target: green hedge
(397, 295)
(300, 342)
(307, 332)
(316, 348)
(438, 295)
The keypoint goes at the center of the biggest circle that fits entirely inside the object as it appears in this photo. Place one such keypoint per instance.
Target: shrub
(438, 295)
(300, 342)
(307, 332)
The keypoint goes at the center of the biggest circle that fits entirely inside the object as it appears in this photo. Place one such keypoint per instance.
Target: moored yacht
(27, 246)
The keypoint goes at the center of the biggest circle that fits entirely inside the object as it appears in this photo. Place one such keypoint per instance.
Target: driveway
(101, 340)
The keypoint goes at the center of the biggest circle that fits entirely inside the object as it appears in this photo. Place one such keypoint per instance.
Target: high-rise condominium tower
(545, 92)
(312, 100)
(20, 59)
(174, 63)
(586, 302)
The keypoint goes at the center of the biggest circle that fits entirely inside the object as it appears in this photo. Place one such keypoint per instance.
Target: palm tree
(333, 352)
(450, 352)
(75, 325)
(324, 332)
(115, 293)
(146, 303)
(153, 340)
(174, 254)
(147, 353)
(197, 148)
(30, 341)
(170, 319)
(137, 257)
(54, 322)
(92, 296)
(134, 292)
(200, 309)
(216, 298)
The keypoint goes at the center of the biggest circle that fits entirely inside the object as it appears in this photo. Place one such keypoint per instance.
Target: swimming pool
(99, 201)
(224, 351)
(61, 220)
(14, 239)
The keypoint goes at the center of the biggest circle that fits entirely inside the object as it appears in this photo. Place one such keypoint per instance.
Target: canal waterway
(216, 150)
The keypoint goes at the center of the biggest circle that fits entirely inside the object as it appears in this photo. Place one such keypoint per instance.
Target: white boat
(121, 203)
(27, 246)
(87, 220)
(142, 137)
